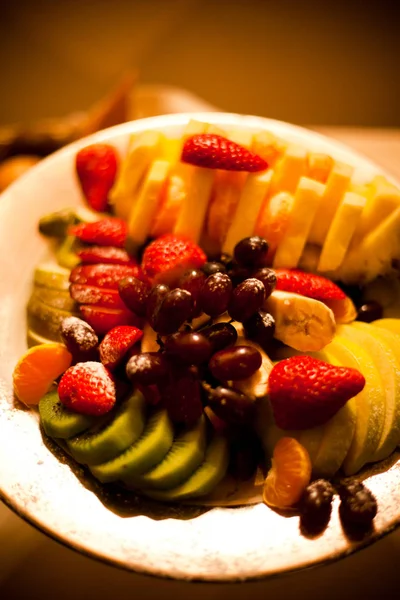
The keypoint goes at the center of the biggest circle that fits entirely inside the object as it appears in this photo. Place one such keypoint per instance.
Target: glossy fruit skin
(246, 299)
(237, 362)
(147, 368)
(217, 152)
(167, 257)
(116, 344)
(289, 475)
(192, 281)
(260, 328)
(174, 310)
(268, 278)
(190, 347)
(103, 275)
(87, 388)
(154, 299)
(96, 166)
(104, 319)
(134, 294)
(215, 294)
(91, 294)
(80, 339)
(209, 268)
(220, 335)
(358, 505)
(308, 284)
(231, 405)
(110, 231)
(251, 251)
(370, 311)
(104, 254)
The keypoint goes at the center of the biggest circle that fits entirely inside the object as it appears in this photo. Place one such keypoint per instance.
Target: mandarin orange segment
(37, 369)
(289, 475)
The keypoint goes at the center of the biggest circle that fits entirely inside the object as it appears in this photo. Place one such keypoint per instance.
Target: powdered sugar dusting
(81, 331)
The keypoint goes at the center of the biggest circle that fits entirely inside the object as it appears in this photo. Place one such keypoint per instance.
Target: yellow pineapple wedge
(145, 207)
(193, 211)
(336, 186)
(288, 170)
(143, 149)
(254, 191)
(306, 202)
(384, 199)
(341, 231)
(319, 166)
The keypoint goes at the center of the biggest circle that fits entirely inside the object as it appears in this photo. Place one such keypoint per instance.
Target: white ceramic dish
(219, 544)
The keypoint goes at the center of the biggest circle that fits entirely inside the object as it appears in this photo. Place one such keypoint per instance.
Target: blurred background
(308, 62)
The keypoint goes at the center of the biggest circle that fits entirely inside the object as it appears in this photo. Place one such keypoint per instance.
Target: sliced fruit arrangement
(183, 323)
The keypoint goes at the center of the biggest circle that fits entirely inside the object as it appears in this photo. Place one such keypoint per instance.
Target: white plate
(218, 544)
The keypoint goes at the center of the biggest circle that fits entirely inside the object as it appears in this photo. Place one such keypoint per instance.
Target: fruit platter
(200, 342)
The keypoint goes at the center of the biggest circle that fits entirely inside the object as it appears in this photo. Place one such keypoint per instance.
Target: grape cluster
(189, 361)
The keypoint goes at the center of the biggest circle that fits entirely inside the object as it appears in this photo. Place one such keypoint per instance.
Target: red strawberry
(217, 152)
(87, 388)
(106, 255)
(104, 319)
(104, 276)
(96, 167)
(110, 231)
(168, 256)
(116, 344)
(305, 392)
(319, 288)
(89, 294)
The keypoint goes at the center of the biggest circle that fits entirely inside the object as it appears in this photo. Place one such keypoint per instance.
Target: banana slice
(302, 323)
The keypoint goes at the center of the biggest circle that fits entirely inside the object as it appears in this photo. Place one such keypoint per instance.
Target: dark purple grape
(134, 294)
(238, 274)
(225, 259)
(231, 405)
(251, 251)
(247, 298)
(182, 396)
(260, 328)
(370, 311)
(154, 300)
(221, 335)
(215, 294)
(190, 347)
(192, 281)
(358, 505)
(209, 268)
(317, 498)
(80, 339)
(268, 277)
(238, 362)
(174, 310)
(147, 368)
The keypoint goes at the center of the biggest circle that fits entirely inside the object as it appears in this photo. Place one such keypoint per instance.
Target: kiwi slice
(51, 275)
(60, 422)
(59, 299)
(56, 224)
(123, 428)
(145, 453)
(185, 455)
(44, 319)
(204, 479)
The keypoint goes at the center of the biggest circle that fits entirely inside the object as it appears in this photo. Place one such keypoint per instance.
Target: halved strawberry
(217, 152)
(116, 344)
(88, 388)
(104, 319)
(317, 287)
(89, 294)
(165, 259)
(109, 231)
(104, 275)
(96, 167)
(106, 255)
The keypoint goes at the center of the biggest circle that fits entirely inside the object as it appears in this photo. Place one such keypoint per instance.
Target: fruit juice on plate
(215, 315)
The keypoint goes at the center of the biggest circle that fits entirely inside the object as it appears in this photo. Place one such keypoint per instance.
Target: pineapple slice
(306, 202)
(193, 211)
(254, 191)
(319, 166)
(341, 232)
(268, 146)
(336, 186)
(146, 206)
(384, 199)
(288, 170)
(143, 149)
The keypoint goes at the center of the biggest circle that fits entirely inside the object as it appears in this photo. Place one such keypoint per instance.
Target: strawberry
(89, 294)
(104, 319)
(106, 255)
(110, 231)
(305, 392)
(116, 344)
(217, 152)
(104, 276)
(320, 288)
(165, 259)
(87, 388)
(96, 166)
